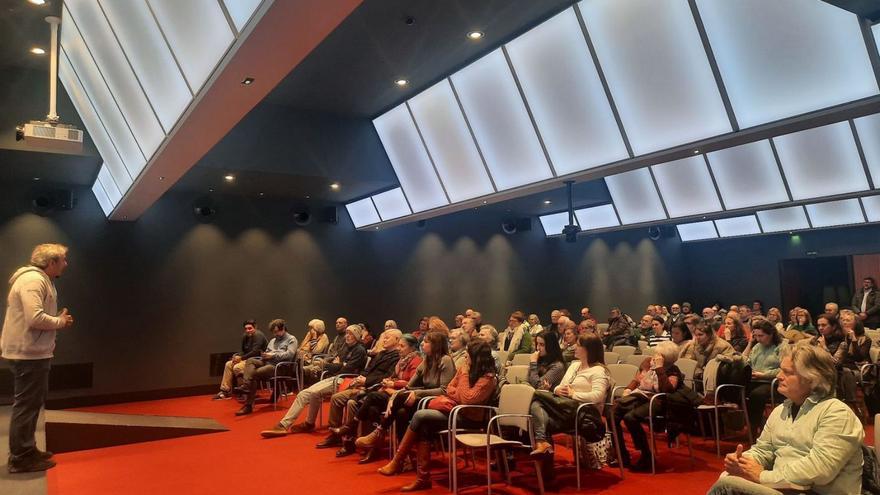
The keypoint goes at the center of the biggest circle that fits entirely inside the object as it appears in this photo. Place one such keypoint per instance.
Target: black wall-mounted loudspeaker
(302, 217)
(45, 202)
(513, 225)
(329, 215)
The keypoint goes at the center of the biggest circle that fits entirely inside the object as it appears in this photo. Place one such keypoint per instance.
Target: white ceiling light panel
(362, 213)
(93, 124)
(635, 197)
(117, 73)
(562, 87)
(101, 196)
(872, 207)
(787, 57)
(391, 204)
(823, 161)
(241, 11)
(686, 187)
(868, 129)
(198, 33)
(737, 226)
(597, 217)
(657, 70)
(410, 160)
(150, 57)
(834, 213)
(450, 143)
(752, 164)
(697, 231)
(498, 116)
(783, 219)
(113, 193)
(105, 105)
(554, 223)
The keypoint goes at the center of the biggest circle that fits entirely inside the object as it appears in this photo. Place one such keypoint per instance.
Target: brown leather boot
(423, 473)
(396, 464)
(372, 439)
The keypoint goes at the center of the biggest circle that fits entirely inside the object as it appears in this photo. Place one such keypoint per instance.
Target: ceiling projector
(51, 137)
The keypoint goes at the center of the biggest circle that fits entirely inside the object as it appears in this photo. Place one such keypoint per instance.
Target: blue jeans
(30, 385)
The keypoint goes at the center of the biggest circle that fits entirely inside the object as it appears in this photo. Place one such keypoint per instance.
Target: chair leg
(652, 443)
(488, 470)
(577, 458)
(540, 476)
(745, 411)
(502, 454)
(690, 450)
(717, 433)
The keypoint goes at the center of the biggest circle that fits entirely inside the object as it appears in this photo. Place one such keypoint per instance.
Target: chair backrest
(517, 373)
(874, 335)
(874, 352)
(688, 368)
(622, 373)
(522, 359)
(516, 398)
(612, 357)
(624, 350)
(649, 351)
(643, 344)
(502, 357)
(601, 327)
(710, 375)
(634, 359)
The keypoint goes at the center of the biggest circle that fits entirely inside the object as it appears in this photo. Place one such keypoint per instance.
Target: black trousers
(30, 385)
(633, 411)
(759, 396)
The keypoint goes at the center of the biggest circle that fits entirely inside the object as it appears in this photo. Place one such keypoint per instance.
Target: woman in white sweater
(587, 380)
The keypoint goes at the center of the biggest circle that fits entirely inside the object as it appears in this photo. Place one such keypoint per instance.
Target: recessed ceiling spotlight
(36, 178)
(308, 197)
(485, 202)
(334, 186)
(547, 202)
(37, 2)
(262, 194)
(377, 228)
(696, 152)
(401, 82)
(475, 35)
(210, 189)
(161, 177)
(247, 81)
(38, 51)
(229, 177)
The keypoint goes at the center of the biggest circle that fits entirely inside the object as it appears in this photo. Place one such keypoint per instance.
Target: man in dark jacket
(380, 367)
(866, 303)
(253, 342)
(619, 329)
(312, 372)
(350, 361)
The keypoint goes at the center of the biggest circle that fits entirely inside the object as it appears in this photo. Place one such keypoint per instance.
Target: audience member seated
(705, 347)
(253, 342)
(312, 372)
(757, 307)
(680, 335)
(866, 304)
(586, 380)
(515, 339)
(351, 360)
(588, 327)
(619, 329)
(436, 370)
(535, 326)
(381, 366)
(420, 332)
(281, 348)
(587, 315)
(658, 332)
(774, 316)
(546, 366)
(370, 343)
(762, 354)
(315, 341)
(469, 327)
(436, 324)
(554, 322)
(831, 338)
(644, 330)
(710, 314)
(812, 440)
(473, 384)
(734, 332)
(458, 341)
(657, 374)
(490, 335)
(858, 352)
(369, 406)
(802, 328)
(675, 314)
(458, 320)
(832, 308)
(569, 340)
(687, 308)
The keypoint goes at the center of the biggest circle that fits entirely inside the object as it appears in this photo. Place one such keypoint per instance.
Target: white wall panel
(113, 193)
(562, 87)
(501, 124)
(409, 159)
(241, 11)
(697, 231)
(554, 223)
(737, 226)
(597, 217)
(117, 73)
(783, 219)
(101, 196)
(450, 143)
(657, 70)
(834, 213)
(635, 196)
(786, 57)
(752, 164)
(150, 57)
(105, 106)
(823, 161)
(872, 207)
(686, 187)
(198, 33)
(868, 129)
(391, 204)
(362, 213)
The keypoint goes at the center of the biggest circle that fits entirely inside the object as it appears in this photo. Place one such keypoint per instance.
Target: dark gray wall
(153, 299)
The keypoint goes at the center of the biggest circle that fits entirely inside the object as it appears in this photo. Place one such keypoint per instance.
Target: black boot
(332, 440)
(347, 448)
(371, 455)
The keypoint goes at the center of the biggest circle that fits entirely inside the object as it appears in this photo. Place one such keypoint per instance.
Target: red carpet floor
(240, 459)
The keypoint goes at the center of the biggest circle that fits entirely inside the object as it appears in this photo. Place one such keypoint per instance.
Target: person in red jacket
(474, 383)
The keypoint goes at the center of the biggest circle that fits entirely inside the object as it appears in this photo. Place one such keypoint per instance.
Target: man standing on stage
(28, 343)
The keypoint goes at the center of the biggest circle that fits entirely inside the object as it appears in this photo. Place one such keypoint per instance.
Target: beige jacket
(30, 322)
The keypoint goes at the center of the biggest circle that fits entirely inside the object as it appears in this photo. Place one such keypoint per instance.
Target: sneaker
(278, 431)
(302, 428)
(31, 465)
(221, 395)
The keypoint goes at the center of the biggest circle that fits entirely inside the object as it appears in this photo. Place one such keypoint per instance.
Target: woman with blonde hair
(315, 341)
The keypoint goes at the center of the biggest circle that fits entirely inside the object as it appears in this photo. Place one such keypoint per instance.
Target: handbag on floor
(596, 455)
